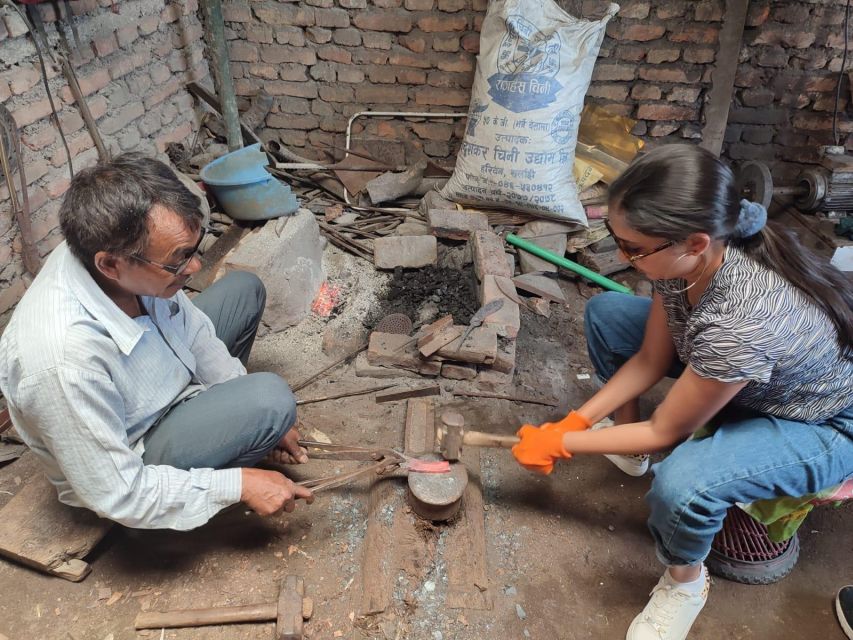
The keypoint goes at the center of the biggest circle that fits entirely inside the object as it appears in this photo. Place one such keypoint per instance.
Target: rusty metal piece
(395, 323)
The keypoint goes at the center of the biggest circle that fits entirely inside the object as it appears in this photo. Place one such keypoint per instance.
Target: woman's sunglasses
(633, 257)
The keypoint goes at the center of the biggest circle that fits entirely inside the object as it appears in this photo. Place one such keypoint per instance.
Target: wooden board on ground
(41, 532)
(377, 564)
(465, 546)
(420, 426)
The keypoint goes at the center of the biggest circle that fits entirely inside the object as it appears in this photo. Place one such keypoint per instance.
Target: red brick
(318, 35)
(381, 94)
(670, 74)
(241, 51)
(451, 80)
(615, 92)
(382, 74)
(418, 5)
(32, 112)
(634, 10)
(89, 84)
(148, 25)
(353, 4)
(236, 12)
(276, 54)
(411, 76)
(77, 144)
(441, 96)
(79, 7)
(126, 35)
(40, 138)
(759, 11)
(57, 187)
(290, 121)
(646, 92)
(779, 34)
(260, 33)
(709, 11)
(699, 55)
(684, 94)
(757, 97)
(636, 32)
(452, 6)
(120, 120)
(291, 72)
(337, 94)
(179, 134)
(433, 131)
(373, 40)
(776, 57)
(489, 255)
(700, 34)
(392, 21)
(165, 91)
(660, 129)
(369, 56)
(413, 42)
(671, 9)
(290, 35)
(15, 26)
(294, 89)
(657, 56)
(281, 14)
(666, 112)
(460, 63)
(350, 74)
(324, 72)
(289, 104)
(347, 37)
(471, 42)
(334, 18)
(405, 59)
(631, 53)
(334, 54)
(124, 65)
(71, 121)
(442, 23)
(607, 72)
(388, 4)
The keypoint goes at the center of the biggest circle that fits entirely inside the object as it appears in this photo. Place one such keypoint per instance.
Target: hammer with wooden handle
(451, 435)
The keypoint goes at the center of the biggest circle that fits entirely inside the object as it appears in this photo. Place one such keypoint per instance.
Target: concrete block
(488, 252)
(456, 225)
(286, 253)
(506, 320)
(404, 251)
(481, 347)
(541, 286)
(548, 235)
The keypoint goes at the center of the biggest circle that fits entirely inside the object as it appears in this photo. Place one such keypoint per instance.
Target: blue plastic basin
(245, 189)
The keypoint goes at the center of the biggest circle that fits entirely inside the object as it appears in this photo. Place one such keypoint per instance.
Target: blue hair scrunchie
(752, 218)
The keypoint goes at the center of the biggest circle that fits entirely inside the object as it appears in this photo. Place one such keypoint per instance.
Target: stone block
(488, 253)
(541, 286)
(548, 235)
(481, 347)
(456, 225)
(404, 251)
(286, 253)
(506, 320)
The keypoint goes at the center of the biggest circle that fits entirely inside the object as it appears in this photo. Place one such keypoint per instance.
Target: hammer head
(450, 435)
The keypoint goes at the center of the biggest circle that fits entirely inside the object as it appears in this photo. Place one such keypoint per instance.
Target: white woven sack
(533, 72)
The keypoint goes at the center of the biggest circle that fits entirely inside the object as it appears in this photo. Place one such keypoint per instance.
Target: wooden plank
(377, 563)
(465, 545)
(420, 426)
(403, 394)
(41, 532)
(723, 76)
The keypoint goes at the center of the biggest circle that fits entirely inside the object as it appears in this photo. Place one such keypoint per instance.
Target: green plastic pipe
(560, 261)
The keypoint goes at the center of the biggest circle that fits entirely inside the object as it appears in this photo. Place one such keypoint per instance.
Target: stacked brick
(325, 60)
(132, 66)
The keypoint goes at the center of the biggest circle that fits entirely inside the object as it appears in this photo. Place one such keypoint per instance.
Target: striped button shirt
(751, 324)
(84, 382)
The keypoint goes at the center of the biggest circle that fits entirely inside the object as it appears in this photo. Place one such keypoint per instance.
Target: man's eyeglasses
(176, 269)
(633, 257)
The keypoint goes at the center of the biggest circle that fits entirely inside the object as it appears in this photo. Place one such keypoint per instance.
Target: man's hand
(268, 492)
(539, 449)
(288, 451)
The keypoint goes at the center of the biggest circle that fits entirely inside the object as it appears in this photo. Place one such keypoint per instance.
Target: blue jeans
(751, 456)
(236, 423)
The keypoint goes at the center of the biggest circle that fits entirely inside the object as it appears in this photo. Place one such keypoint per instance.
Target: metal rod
(347, 394)
(218, 51)
(74, 85)
(560, 261)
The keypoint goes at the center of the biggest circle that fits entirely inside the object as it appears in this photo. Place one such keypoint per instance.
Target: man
(135, 399)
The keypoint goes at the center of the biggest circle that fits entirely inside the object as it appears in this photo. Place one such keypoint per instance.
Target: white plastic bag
(533, 72)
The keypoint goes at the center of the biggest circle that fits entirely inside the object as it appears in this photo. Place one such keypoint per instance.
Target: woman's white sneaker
(672, 610)
(633, 465)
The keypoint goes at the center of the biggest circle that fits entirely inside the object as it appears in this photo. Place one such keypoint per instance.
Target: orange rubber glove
(572, 422)
(539, 449)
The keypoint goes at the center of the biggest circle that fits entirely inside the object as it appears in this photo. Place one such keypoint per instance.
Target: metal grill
(395, 323)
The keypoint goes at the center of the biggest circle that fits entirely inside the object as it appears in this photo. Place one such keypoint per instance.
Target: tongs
(385, 460)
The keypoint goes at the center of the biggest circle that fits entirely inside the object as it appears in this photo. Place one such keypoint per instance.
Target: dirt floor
(568, 555)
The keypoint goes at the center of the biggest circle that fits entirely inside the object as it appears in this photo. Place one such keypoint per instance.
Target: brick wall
(132, 66)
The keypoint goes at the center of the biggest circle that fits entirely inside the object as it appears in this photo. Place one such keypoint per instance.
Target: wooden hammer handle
(204, 617)
(482, 439)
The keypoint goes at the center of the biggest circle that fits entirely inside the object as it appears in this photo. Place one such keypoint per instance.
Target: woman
(758, 332)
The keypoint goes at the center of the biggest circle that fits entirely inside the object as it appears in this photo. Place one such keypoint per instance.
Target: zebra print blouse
(752, 324)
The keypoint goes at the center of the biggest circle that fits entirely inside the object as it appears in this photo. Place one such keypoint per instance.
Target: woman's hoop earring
(704, 267)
